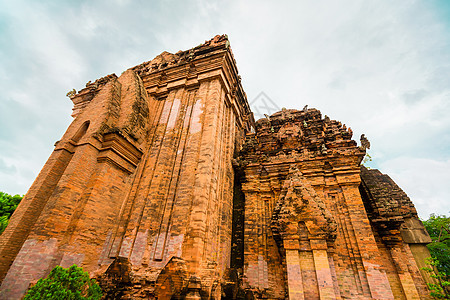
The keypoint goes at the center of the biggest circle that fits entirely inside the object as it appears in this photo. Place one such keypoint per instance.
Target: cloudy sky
(380, 67)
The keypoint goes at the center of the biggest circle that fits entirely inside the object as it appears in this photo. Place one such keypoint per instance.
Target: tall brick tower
(164, 187)
(143, 176)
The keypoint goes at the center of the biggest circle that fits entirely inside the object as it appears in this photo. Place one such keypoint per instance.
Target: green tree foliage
(367, 158)
(71, 284)
(438, 227)
(439, 289)
(8, 204)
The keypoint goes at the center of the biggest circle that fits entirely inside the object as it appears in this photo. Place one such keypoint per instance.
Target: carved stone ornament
(289, 135)
(300, 203)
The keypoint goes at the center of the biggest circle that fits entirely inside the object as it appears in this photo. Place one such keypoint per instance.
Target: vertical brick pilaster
(409, 288)
(294, 272)
(323, 270)
(376, 276)
(210, 93)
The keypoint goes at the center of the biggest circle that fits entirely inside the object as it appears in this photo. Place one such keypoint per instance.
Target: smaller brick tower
(308, 233)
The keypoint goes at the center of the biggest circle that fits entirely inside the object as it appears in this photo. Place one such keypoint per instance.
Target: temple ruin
(165, 187)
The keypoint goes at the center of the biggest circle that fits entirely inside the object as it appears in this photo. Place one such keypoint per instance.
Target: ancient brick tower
(164, 187)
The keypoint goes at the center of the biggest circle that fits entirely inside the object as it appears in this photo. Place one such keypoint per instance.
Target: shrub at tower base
(71, 283)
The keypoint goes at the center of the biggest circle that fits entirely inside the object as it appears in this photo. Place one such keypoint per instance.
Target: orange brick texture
(164, 187)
